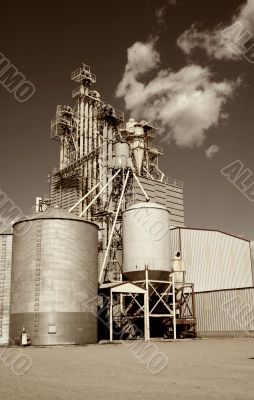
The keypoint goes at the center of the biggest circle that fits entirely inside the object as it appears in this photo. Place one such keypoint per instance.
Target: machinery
(109, 174)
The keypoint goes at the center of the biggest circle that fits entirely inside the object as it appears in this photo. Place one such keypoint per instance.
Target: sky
(177, 62)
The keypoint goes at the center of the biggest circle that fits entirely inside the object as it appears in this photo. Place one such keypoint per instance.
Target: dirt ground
(185, 369)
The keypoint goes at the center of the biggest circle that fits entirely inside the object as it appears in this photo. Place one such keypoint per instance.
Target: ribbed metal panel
(225, 312)
(64, 193)
(166, 195)
(175, 240)
(252, 259)
(5, 286)
(215, 260)
(54, 276)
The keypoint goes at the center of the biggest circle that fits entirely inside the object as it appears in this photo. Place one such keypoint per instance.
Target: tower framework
(106, 165)
(95, 143)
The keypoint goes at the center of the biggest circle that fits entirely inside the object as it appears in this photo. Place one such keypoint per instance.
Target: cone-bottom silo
(54, 279)
(146, 241)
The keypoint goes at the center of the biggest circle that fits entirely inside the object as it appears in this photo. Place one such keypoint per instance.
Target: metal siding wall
(166, 195)
(252, 259)
(225, 311)
(64, 196)
(175, 240)
(215, 260)
(5, 281)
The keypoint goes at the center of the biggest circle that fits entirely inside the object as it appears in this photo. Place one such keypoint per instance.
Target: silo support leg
(146, 309)
(111, 318)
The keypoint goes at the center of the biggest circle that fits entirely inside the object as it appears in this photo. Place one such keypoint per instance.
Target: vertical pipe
(62, 153)
(86, 129)
(174, 305)
(121, 303)
(147, 308)
(90, 138)
(81, 139)
(77, 130)
(85, 149)
(109, 155)
(81, 143)
(95, 110)
(111, 317)
(104, 161)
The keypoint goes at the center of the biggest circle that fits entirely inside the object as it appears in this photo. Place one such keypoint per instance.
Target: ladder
(2, 279)
(37, 277)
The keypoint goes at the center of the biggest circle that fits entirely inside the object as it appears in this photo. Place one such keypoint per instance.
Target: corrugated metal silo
(5, 285)
(54, 279)
(146, 241)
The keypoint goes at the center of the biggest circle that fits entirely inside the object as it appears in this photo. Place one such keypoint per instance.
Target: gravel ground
(187, 369)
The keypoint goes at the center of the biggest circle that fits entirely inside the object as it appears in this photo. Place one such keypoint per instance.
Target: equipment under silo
(54, 279)
(5, 284)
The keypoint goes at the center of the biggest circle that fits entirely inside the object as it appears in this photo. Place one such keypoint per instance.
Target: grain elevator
(107, 255)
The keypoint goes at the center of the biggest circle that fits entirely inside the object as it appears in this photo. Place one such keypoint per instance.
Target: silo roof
(54, 213)
(147, 204)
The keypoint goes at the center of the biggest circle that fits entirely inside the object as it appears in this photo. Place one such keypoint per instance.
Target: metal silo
(54, 279)
(5, 285)
(146, 241)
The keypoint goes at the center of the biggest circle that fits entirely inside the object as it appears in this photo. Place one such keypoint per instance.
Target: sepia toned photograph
(127, 200)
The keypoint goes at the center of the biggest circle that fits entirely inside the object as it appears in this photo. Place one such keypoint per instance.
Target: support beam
(111, 317)
(174, 305)
(100, 192)
(146, 308)
(113, 228)
(83, 198)
(141, 187)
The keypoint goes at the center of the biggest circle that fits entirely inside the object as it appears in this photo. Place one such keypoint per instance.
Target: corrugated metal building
(221, 266)
(5, 285)
(214, 260)
(225, 312)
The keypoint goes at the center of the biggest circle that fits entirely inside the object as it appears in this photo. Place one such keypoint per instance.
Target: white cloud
(186, 103)
(212, 150)
(160, 15)
(212, 42)
(220, 44)
(246, 15)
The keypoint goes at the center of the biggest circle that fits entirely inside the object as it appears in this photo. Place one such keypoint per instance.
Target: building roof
(209, 230)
